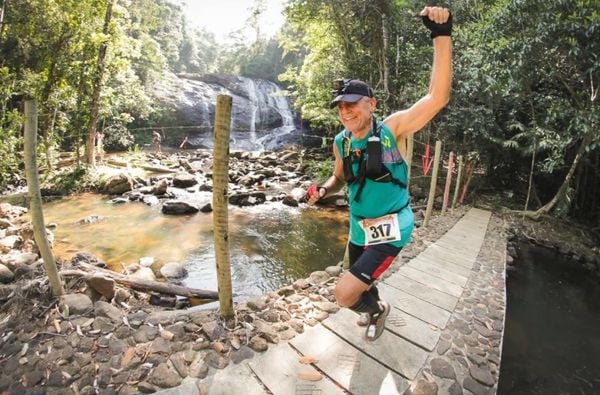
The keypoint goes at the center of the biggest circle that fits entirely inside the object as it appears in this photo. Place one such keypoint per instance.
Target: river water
(271, 245)
(552, 332)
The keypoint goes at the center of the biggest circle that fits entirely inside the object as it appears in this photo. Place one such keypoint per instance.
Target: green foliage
(73, 180)
(320, 170)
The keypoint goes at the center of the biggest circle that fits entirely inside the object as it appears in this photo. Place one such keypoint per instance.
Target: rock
(160, 188)
(258, 343)
(146, 261)
(318, 277)
(243, 353)
(424, 387)
(198, 369)
(173, 270)
(6, 276)
(177, 207)
(10, 243)
(216, 360)
(144, 273)
(327, 307)
(16, 259)
(333, 271)
(290, 200)
(257, 303)
(103, 309)
(145, 388)
(105, 286)
(442, 368)
(86, 257)
(165, 377)
(118, 184)
(482, 375)
(184, 180)
(78, 303)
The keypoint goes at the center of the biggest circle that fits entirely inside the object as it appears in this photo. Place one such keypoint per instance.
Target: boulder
(78, 303)
(118, 184)
(173, 270)
(178, 207)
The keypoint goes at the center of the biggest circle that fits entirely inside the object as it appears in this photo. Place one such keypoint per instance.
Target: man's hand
(313, 194)
(438, 20)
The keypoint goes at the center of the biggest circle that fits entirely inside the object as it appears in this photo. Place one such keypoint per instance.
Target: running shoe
(377, 322)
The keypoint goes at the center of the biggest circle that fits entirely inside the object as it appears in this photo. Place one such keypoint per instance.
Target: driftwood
(156, 169)
(143, 285)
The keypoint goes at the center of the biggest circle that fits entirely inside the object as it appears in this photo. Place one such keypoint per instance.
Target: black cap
(350, 91)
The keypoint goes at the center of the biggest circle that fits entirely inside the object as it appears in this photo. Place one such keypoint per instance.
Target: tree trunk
(562, 191)
(386, 46)
(33, 186)
(95, 103)
(220, 203)
(4, 2)
(530, 183)
(143, 285)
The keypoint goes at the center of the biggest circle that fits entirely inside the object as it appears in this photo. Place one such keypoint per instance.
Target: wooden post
(431, 198)
(35, 197)
(220, 202)
(448, 182)
(458, 179)
(409, 156)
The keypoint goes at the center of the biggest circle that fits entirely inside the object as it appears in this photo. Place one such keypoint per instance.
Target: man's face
(356, 117)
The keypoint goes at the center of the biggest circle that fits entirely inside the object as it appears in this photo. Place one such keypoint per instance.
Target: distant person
(100, 144)
(369, 158)
(184, 142)
(156, 140)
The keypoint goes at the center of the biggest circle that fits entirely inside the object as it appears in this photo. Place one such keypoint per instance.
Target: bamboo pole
(35, 197)
(220, 215)
(436, 165)
(409, 155)
(458, 179)
(448, 182)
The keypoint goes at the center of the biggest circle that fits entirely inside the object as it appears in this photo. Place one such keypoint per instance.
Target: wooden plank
(235, 379)
(439, 255)
(351, 368)
(431, 281)
(414, 306)
(438, 271)
(449, 266)
(423, 292)
(390, 350)
(412, 329)
(278, 369)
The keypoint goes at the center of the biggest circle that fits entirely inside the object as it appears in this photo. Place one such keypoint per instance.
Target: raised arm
(405, 122)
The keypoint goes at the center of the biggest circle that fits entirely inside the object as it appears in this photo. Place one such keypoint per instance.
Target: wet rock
(118, 184)
(160, 188)
(179, 207)
(173, 270)
(290, 200)
(87, 258)
(184, 180)
(78, 303)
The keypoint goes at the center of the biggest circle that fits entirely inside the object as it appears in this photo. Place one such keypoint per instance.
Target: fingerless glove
(438, 29)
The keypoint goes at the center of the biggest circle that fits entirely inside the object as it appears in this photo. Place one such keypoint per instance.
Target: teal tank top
(378, 198)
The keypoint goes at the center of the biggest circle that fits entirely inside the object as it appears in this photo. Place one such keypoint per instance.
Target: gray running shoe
(363, 319)
(377, 322)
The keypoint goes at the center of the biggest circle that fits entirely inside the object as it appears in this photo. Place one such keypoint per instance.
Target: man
(156, 140)
(381, 220)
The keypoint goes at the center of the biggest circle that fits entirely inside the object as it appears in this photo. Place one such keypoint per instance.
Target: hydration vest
(370, 165)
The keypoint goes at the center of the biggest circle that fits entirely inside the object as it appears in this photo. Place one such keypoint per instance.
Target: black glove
(438, 29)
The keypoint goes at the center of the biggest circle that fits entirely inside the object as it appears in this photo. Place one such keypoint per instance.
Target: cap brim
(348, 97)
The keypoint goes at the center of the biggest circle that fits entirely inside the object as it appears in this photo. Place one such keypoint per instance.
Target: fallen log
(143, 285)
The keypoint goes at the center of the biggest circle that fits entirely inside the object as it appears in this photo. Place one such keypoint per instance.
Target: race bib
(381, 230)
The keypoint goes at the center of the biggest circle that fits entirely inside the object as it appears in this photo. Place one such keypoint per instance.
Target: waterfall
(262, 118)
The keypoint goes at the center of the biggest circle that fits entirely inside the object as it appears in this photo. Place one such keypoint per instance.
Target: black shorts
(368, 263)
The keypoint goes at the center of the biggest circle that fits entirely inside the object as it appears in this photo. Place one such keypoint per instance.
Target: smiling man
(369, 158)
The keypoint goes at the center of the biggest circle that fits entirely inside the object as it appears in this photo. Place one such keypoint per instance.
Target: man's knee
(345, 298)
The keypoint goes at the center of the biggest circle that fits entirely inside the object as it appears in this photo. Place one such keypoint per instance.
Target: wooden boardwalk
(423, 293)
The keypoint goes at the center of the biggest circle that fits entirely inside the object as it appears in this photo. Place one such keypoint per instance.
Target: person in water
(369, 159)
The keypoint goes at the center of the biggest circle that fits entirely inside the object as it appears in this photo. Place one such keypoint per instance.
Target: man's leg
(355, 289)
